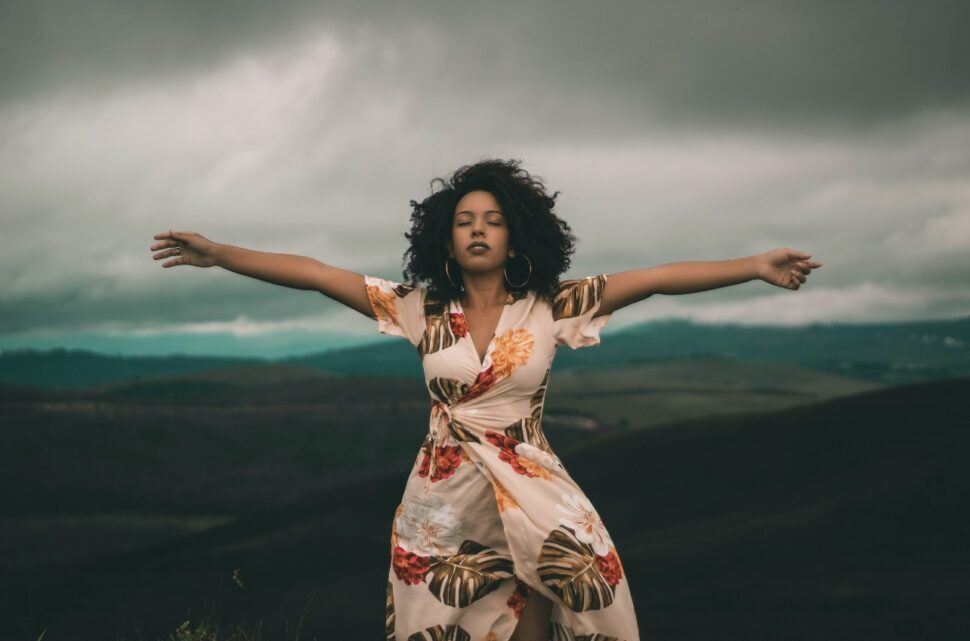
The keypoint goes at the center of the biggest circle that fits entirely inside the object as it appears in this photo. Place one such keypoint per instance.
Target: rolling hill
(844, 518)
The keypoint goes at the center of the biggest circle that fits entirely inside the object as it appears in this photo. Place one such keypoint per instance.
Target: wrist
(219, 251)
(758, 263)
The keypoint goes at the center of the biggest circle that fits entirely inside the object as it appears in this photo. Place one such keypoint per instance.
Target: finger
(167, 253)
(170, 236)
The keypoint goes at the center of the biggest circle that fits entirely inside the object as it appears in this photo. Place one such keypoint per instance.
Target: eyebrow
(490, 211)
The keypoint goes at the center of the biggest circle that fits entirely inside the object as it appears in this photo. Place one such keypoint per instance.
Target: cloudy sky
(675, 130)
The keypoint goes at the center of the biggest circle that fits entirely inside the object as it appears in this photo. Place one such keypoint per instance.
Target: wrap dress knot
(489, 513)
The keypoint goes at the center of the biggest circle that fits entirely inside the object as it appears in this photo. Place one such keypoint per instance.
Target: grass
(210, 629)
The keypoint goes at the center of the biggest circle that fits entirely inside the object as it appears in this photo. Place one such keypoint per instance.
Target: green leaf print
(468, 575)
(441, 633)
(576, 297)
(568, 567)
(389, 612)
(437, 329)
(447, 390)
(562, 632)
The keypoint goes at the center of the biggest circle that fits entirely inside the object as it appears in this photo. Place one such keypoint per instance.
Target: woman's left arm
(780, 267)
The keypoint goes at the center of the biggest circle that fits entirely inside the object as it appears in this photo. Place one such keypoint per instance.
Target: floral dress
(489, 513)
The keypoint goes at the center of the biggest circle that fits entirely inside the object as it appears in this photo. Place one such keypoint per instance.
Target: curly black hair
(534, 230)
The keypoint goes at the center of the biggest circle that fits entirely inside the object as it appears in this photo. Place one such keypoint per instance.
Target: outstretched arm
(288, 270)
(781, 267)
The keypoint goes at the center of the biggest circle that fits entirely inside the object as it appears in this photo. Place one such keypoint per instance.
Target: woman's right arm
(288, 270)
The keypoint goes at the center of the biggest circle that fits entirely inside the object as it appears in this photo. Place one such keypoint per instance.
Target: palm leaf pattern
(452, 632)
(447, 390)
(562, 632)
(437, 329)
(459, 432)
(538, 399)
(568, 567)
(468, 575)
(529, 430)
(576, 297)
(402, 289)
(389, 613)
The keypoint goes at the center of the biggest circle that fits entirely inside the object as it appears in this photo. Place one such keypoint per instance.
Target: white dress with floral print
(489, 513)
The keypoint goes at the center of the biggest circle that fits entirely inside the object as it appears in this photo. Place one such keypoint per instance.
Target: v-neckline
(509, 301)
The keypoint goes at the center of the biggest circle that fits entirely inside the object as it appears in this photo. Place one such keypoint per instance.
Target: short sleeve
(398, 308)
(574, 305)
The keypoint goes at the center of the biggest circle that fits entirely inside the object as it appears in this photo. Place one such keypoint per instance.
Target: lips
(477, 244)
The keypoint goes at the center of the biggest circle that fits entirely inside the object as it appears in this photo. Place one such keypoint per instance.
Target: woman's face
(479, 218)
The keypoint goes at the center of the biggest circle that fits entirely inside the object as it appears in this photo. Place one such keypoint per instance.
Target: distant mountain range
(882, 353)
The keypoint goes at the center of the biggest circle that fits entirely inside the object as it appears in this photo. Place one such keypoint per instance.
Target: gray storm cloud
(676, 131)
(752, 62)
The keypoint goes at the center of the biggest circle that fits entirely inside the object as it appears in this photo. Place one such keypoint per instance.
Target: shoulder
(576, 296)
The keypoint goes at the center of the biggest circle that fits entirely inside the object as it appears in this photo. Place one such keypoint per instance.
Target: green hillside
(880, 353)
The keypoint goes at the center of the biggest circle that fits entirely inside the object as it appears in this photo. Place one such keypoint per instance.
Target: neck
(484, 291)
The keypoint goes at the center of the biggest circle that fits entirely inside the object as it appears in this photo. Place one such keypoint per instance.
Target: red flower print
(484, 381)
(517, 600)
(506, 446)
(410, 567)
(459, 326)
(447, 460)
(609, 567)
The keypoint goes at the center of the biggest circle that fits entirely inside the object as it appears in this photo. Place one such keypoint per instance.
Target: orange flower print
(503, 499)
(538, 462)
(609, 566)
(512, 349)
(507, 452)
(447, 460)
(410, 567)
(459, 325)
(382, 303)
(517, 600)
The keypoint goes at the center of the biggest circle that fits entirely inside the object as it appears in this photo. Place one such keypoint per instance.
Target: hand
(785, 267)
(187, 247)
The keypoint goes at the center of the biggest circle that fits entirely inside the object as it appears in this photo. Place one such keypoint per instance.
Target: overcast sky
(674, 130)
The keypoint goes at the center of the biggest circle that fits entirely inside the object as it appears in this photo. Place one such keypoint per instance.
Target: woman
(493, 540)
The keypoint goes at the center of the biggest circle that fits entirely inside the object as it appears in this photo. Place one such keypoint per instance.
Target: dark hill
(845, 519)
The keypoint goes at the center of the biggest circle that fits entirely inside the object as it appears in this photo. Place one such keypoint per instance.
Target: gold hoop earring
(506, 272)
(460, 288)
